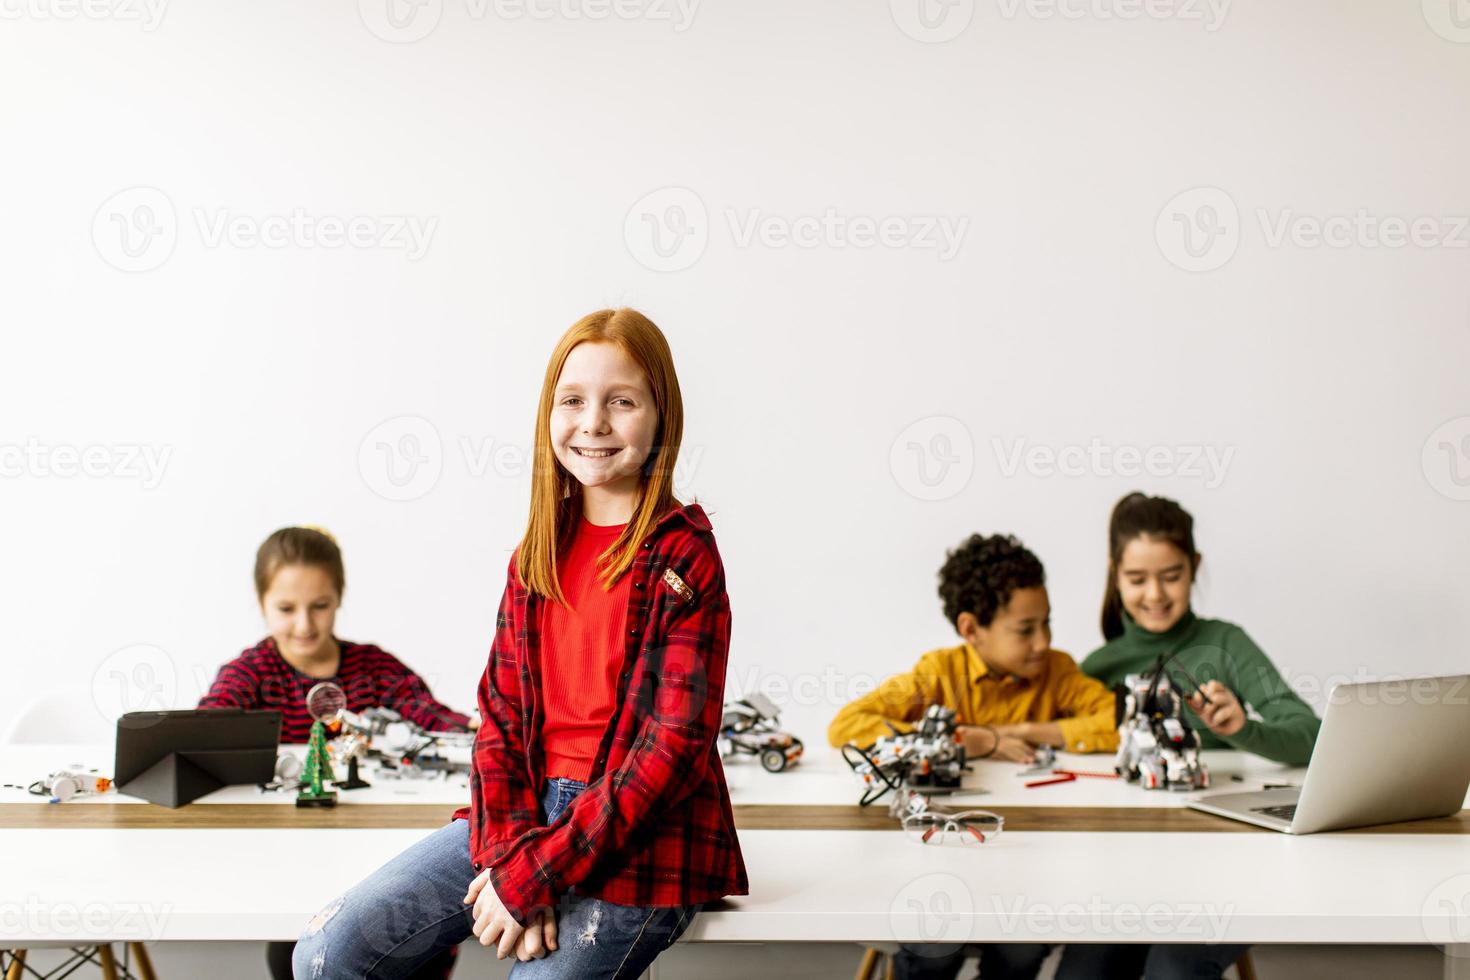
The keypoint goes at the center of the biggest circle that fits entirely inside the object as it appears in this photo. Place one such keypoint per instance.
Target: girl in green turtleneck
(1152, 563)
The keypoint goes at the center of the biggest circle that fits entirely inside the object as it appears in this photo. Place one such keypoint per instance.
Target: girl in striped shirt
(299, 580)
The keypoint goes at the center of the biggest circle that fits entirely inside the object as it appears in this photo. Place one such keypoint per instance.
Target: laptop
(1388, 751)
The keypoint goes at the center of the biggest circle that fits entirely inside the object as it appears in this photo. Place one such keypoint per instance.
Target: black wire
(1163, 662)
(874, 794)
(1198, 687)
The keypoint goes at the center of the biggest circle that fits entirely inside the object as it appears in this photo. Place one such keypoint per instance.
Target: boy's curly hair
(979, 576)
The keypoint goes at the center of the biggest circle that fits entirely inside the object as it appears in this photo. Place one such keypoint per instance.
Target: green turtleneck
(1212, 649)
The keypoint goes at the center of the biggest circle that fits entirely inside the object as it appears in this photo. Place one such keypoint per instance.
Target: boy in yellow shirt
(1010, 691)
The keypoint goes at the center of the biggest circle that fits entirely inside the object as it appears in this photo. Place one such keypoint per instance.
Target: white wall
(1334, 533)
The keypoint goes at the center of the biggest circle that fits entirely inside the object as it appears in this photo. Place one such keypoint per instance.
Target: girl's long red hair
(556, 496)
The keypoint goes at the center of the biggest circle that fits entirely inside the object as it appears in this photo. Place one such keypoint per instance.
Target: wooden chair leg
(145, 963)
(1245, 966)
(109, 965)
(871, 957)
(17, 964)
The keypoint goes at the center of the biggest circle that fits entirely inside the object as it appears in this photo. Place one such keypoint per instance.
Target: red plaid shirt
(654, 826)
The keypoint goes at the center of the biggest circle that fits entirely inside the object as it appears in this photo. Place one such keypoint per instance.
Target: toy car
(750, 727)
(1156, 747)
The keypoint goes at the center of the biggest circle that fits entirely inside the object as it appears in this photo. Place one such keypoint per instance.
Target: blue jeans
(943, 961)
(1159, 961)
(396, 919)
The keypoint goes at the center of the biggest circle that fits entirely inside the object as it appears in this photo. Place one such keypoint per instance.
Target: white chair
(60, 717)
(70, 717)
(134, 958)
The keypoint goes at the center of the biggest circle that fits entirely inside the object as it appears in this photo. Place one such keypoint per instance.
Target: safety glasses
(969, 827)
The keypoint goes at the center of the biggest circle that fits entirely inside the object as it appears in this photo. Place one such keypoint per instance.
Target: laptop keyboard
(1280, 812)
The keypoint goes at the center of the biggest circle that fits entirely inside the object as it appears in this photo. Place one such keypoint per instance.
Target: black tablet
(174, 757)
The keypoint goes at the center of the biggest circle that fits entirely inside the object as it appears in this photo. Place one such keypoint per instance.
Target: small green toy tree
(323, 701)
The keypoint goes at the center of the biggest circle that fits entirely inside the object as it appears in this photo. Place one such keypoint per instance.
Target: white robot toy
(929, 757)
(1156, 747)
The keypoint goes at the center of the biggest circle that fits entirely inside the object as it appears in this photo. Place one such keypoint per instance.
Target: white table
(806, 885)
(821, 777)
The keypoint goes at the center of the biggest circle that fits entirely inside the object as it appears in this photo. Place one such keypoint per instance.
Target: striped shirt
(261, 678)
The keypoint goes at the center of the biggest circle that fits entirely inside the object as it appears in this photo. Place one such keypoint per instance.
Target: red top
(370, 677)
(582, 648)
(654, 825)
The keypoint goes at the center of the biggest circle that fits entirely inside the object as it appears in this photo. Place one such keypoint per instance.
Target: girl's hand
(1224, 714)
(539, 939)
(474, 723)
(480, 882)
(494, 925)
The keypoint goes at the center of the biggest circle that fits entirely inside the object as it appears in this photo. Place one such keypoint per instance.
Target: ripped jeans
(396, 919)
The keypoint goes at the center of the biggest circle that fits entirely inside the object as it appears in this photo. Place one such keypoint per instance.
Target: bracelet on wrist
(994, 741)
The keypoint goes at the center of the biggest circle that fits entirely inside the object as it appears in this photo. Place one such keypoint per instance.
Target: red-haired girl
(599, 820)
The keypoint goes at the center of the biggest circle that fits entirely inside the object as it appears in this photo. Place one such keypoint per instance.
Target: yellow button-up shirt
(958, 678)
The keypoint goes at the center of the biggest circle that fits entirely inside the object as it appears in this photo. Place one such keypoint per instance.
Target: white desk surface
(821, 777)
(807, 885)
(22, 765)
